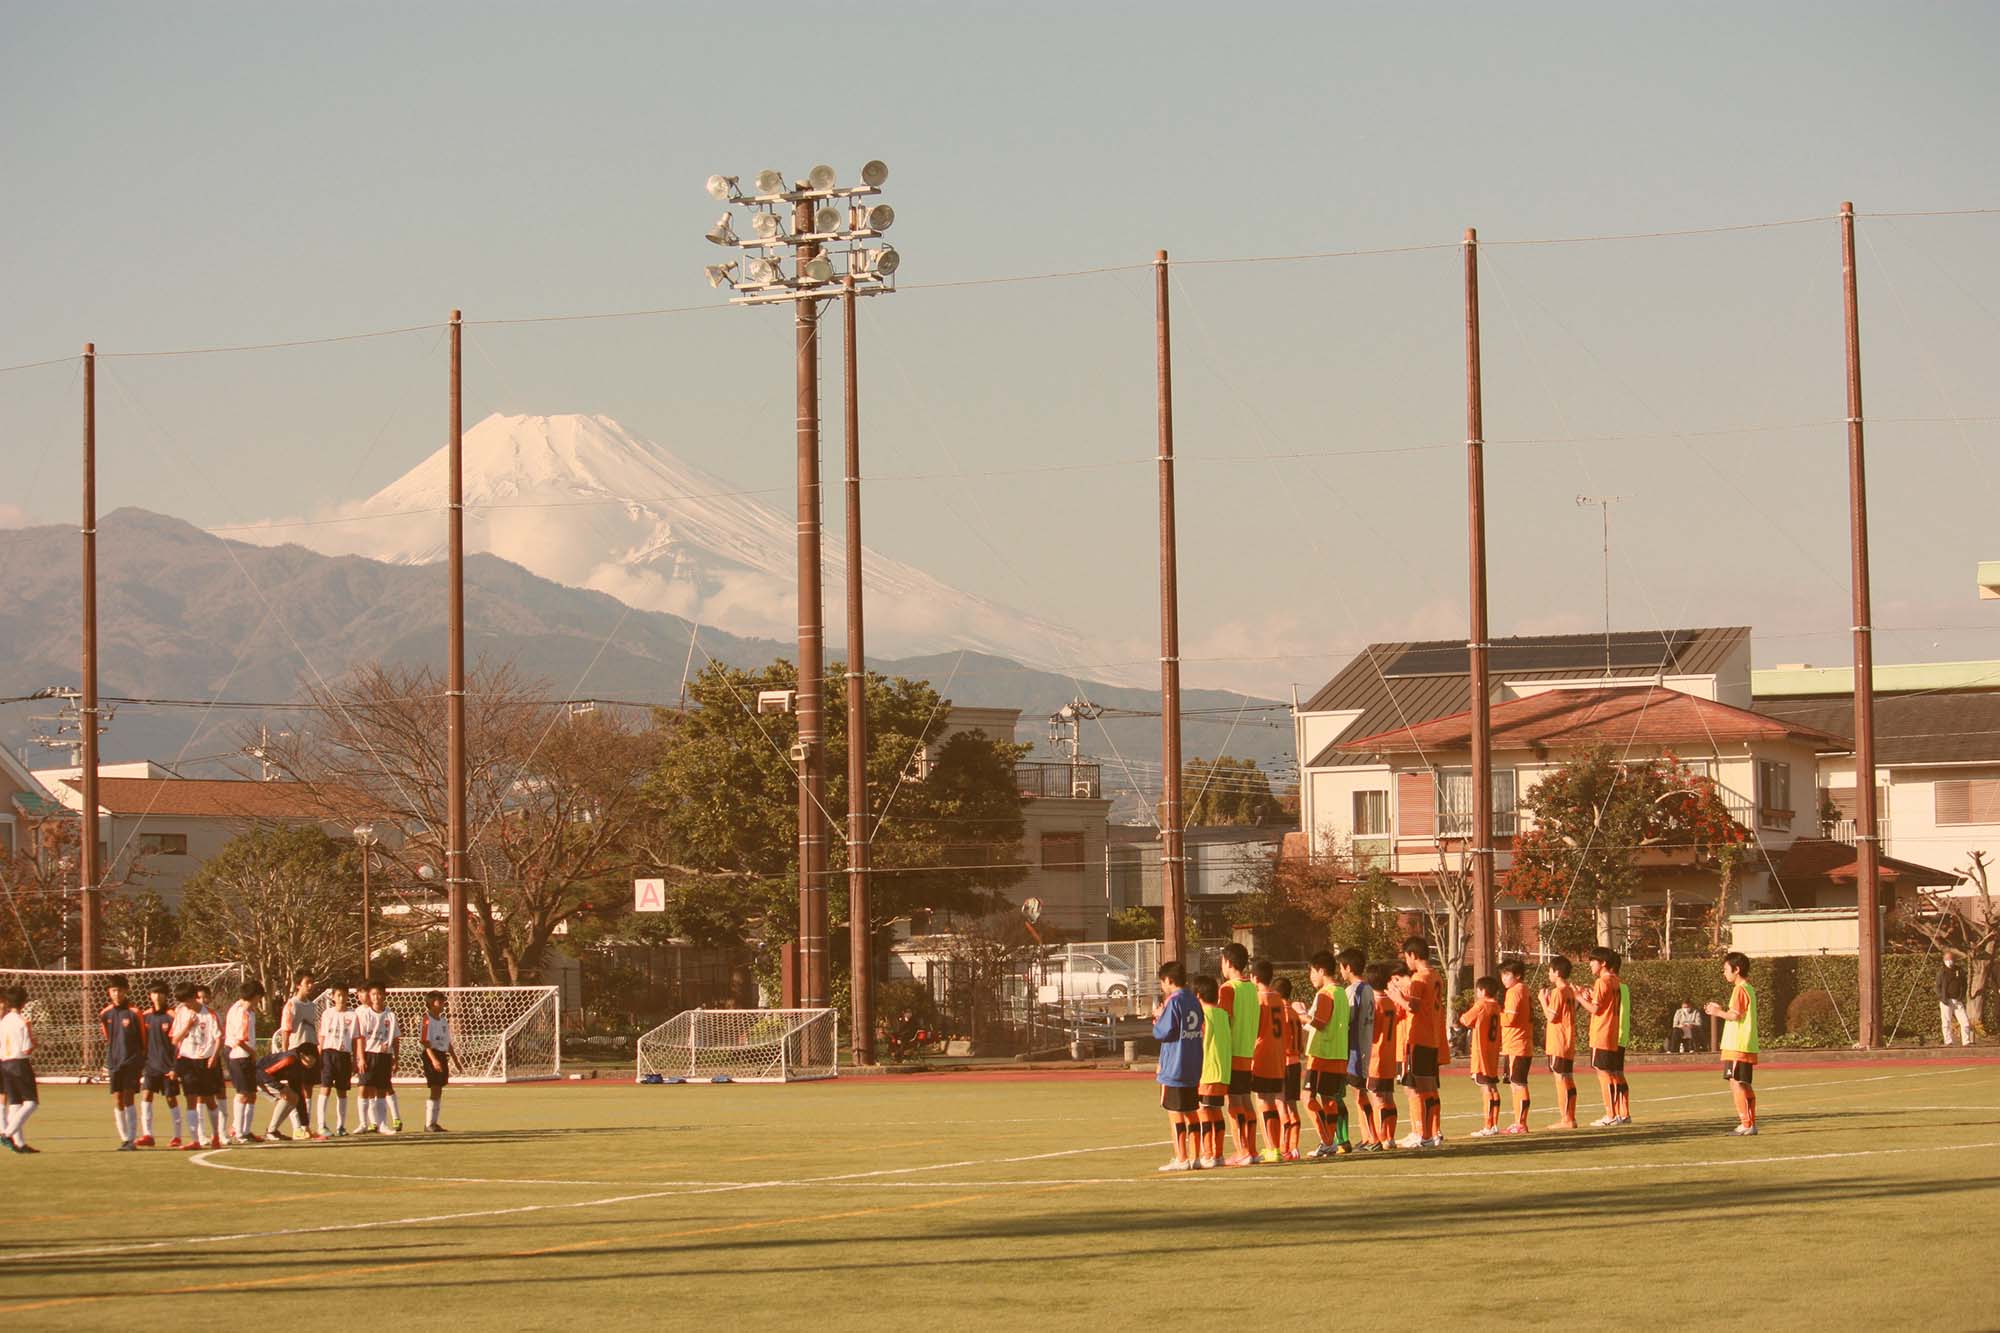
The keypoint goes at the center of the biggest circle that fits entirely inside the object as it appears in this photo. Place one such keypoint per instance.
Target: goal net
(63, 1008)
(503, 1034)
(742, 1046)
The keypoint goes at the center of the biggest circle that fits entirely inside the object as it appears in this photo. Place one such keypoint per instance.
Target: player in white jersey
(197, 1038)
(17, 1070)
(376, 1035)
(239, 1036)
(336, 1068)
(439, 1058)
(298, 1034)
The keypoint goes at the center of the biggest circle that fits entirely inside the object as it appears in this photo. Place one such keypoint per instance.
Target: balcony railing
(1060, 781)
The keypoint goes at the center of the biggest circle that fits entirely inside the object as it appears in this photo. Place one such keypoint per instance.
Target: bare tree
(1969, 923)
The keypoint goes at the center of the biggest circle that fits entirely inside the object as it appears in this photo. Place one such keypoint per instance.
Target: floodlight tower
(810, 241)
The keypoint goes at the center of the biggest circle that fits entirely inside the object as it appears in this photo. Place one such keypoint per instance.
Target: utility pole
(1482, 943)
(1173, 860)
(861, 955)
(1867, 847)
(813, 987)
(90, 874)
(455, 878)
(364, 837)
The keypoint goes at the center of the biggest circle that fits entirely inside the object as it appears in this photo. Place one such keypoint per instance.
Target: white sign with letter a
(649, 895)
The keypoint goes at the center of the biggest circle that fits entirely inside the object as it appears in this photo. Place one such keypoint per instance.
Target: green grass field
(1869, 1199)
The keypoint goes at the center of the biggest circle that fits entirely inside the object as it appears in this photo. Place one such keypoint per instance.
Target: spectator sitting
(1687, 1029)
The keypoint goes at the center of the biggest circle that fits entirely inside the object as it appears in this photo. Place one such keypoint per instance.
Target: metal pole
(90, 873)
(1483, 953)
(813, 987)
(367, 916)
(1867, 849)
(861, 956)
(1173, 863)
(455, 961)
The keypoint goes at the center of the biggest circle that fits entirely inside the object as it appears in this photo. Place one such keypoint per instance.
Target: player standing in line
(376, 1033)
(298, 1036)
(336, 1061)
(1295, 1047)
(1238, 998)
(1421, 1000)
(1385, 1053)
(1517, 1038)
(158, 1078)
(1739, 1039)
(1213, 1089)
(197, 1040)
(1176, 1024)
(1267, 1059)
(1482, 1019)
(1559, 1040)
(17, 1070)
(1602, 998)
(1360, 1031)
(1326, 1076)
(239, 1035)
(124, 1057)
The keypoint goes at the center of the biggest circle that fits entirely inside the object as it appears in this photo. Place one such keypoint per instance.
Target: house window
(1062, 851)
(1968, 801)
(1454, 802)
(163, 844)
(6, 835)
(1774, 795)
(1371, 814)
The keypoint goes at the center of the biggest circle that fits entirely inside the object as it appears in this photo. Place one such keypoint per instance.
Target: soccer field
(1871, 1197)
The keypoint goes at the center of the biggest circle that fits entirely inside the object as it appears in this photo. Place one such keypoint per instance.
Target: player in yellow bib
(1739, 1039)
(1326, 1056)
(1213, 1090)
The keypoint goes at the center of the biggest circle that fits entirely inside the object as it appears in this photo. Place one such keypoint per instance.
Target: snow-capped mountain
(582, 501)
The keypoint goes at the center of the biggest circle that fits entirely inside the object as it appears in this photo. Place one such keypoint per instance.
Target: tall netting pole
(1867, 848)
(90, 874)
(1482, 951)
(1173, 859)
(454, 884)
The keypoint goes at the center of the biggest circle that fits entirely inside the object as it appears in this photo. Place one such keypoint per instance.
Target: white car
(1082, 976)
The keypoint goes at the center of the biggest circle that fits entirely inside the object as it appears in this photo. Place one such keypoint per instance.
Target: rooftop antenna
(1604, 503)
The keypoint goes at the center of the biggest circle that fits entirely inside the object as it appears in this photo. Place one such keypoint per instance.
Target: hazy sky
(194, 175)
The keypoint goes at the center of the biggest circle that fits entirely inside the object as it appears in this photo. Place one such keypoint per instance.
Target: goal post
(503, 1034)
(742, 1046)
(63, 1008)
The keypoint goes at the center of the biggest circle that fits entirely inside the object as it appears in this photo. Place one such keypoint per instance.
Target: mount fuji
(582, 501)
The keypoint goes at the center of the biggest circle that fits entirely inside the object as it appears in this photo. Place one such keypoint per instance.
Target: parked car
(1072, 975)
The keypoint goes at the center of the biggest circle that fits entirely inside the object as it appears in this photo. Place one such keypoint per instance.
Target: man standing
(1605, 999)
(1420, 999)
(1177, 1026)
(1951, 1000)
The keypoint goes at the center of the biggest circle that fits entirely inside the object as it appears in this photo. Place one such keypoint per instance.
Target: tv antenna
(1604, 503)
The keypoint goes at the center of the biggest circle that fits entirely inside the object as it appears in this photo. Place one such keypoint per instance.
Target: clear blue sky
(218, 174)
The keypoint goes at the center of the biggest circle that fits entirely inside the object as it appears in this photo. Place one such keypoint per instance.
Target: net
(63, 1008)
(503, 1034)
(743, 1046)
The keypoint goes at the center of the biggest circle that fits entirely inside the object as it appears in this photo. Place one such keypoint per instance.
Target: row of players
(184, 1052)
(1241, 1050)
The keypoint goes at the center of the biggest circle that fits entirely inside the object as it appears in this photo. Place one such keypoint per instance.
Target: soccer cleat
(319, 1138)
(1371, 1147)
(1621, 1120)
(1434, 1141)
(1486, 1132)
(144, 1140)
(215, 1143)
(1290, 1155)
(1207, 1163)
(1176, 1166)
(1411, 1140)
(340, 1133)
(436, 1129)
(1241, 1159)
(26, 1148)
(250, 1138)
(1515, 1129)
(389, 1131)
(1745, 1131)
(126, 1145)
(397, 1124)
(1343, 1149)
(1269, 1156)
(1603, 1122)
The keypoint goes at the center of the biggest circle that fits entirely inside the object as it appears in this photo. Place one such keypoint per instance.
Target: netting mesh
(63, 1009)
(743, 1045)
(503, 1034)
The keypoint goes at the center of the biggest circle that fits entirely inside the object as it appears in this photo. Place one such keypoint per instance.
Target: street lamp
(831, 234)
(364, 837)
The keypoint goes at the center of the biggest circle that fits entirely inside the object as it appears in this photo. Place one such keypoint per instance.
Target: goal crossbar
(503, 1034)
(742, 1046)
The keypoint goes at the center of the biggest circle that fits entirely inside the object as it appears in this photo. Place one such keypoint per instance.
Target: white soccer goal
(743, 1046)
(503, 1034)
(63, 1009)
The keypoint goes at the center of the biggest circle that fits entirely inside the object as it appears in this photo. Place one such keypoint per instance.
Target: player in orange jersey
(1482, 1019)
(1420, 997)
(1517, 1038)
(1384, 1056)
(1559, 1040)
(1604, 998)
(1295, 1052)
(1267, 1060)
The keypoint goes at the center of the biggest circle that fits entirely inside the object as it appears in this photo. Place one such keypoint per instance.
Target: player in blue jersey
(157, 1079)
(124, 1038)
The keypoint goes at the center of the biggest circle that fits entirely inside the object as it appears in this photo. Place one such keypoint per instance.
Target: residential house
(1223, 862)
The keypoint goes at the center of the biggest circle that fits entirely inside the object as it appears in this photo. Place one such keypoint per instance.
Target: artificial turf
(1870, 1198)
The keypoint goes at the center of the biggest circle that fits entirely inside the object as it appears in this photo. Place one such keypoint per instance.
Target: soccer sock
(395, 1107)
(1245, 1132)
(1271, 1128)
(1387, 1115)
(131, 1123)
(340, 1109)
(175, 1109)
(22, 1110)
(1433, 1116)
(1180, 1130)
(118, 1119)
(318, 1125)
(1749, 1107)
(145, 1120)
(1367, 1108)
(1521, 1111)
(1569, 1103)
(1492, 1110)
(194, 1121)
(1341, 1133)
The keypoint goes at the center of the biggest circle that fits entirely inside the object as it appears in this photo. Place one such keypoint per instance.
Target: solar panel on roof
(1632, 650)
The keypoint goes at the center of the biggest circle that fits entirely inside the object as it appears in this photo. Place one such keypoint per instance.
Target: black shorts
(1293, 1075)
(1562, 1066)
(125, 1078)
(1423, 1063)
(1358, 1082)
(1272, 1088)
(1382, 1087)
(1239, 1083)
(1738, 1071)
(436, 1076)
(1514, 1069)
(161, 1081)
(1487, 1080)
(17, 1080)
(1327, 1084)
(1179, 1100)
(242, 1074)
(336, 1070)
(1608, 1060)
(197, 1077)
(1210, 1101)
(376, 1075)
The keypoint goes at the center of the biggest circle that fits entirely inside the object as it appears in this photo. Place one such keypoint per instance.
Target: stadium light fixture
(881, 217)
(821, 177)
(723, 232)
(826, 220)
(718, 274)
(770, 183)
(816, 269)
(723, 187)
(875, 173)
(767, 226)
(829, 230)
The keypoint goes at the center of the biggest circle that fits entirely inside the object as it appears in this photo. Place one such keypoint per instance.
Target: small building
(1223, 863)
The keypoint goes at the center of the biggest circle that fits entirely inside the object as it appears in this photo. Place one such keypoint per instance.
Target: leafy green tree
(276, 899)
(1134, 923)
(1229, 791)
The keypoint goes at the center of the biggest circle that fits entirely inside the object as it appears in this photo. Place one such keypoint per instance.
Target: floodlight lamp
(722, 233)
(767, 226)
(874, 172)
(722, 187)
(821, 177)
(826, 220)
(765, 272)
(887, 261)
(881, 218)
(816, 269)
(770, 182)
(719, 274)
